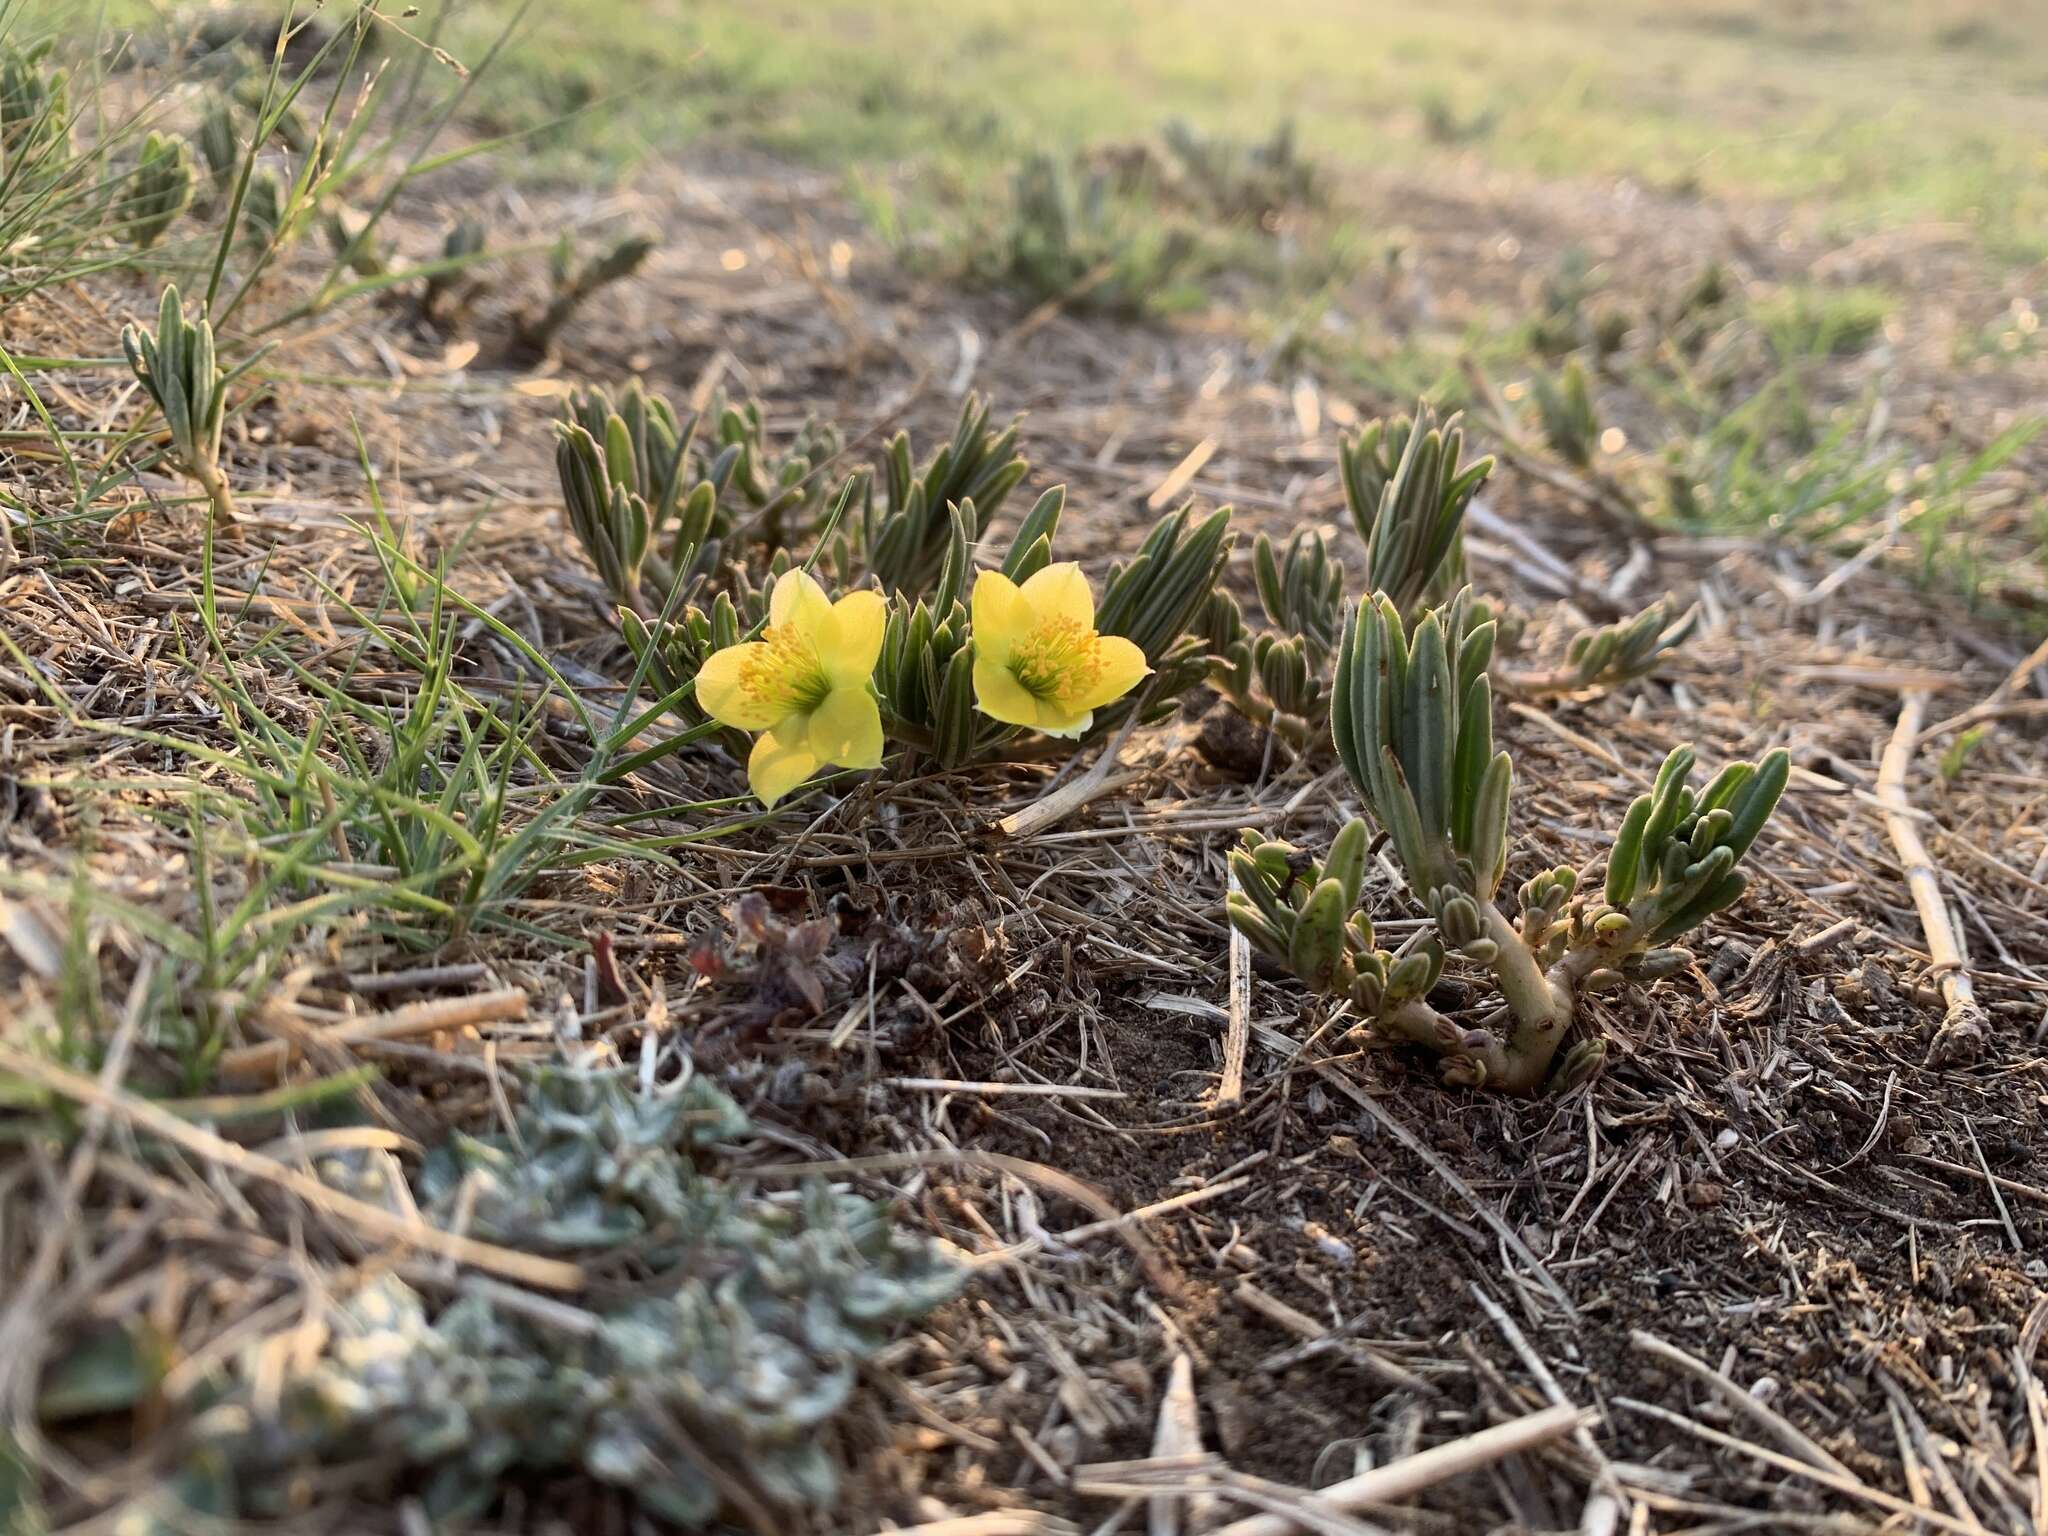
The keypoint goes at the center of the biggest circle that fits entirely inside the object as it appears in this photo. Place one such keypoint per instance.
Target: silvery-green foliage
(745, 1346)
(1280, 677)
(905, 540)
(1302, 591)
(220, 144)
(1236, 179)
(180, 369)
(1673, 865)
(1305, 914)
(265, 208)
(1073, 238)
(1673, 862)
(1159, 599)
(776, 499)
(1412, 716)
(622, 469)
(1408, 492)
(1627, 649)
(1269, 678)
(161, 187)
(596, 1162)
(35, 110)
(1564, 411)
(574, 278)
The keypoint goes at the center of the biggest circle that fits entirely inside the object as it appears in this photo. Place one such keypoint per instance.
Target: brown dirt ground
(1782, 1171)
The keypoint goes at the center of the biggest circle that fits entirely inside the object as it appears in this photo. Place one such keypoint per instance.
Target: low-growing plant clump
(822, 681)
(709, 1387)
(900, 640)
(1407, 488)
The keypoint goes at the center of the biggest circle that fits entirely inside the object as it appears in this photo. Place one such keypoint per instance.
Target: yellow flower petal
(781, 760)
(1001, 616)
(722, 694)
(1060, 592)
(852, 640)
(1055, 722)
(799, 602)
(847, 729)
(1122, 667)
(999, 695)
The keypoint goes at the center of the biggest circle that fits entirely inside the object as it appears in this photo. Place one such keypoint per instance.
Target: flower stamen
(1059, 659)
(787, 675)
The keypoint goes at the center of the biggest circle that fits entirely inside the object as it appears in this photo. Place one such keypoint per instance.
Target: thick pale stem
(1543, 684)
(1543, 1005)
(1421, 1024)
(215, 485)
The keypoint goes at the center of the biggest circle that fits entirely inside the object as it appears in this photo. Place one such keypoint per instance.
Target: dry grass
(1786, 1249)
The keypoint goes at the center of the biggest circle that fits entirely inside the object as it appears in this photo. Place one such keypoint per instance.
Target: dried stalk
(264, 1061)
(1962, 1026)
(346, 1211)
(1425, 1469)
(1238, 1028)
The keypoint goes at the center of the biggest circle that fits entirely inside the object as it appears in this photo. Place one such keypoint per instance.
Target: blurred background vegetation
(1878, 110)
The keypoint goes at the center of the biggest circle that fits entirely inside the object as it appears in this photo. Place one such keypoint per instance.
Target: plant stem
(1543, 1005)
(1541, 683)
(215, 485)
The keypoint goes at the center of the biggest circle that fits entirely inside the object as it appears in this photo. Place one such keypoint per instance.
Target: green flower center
(1058, 660)
(788, 676)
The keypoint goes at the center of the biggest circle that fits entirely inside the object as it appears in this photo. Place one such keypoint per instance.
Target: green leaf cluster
(723, 1367)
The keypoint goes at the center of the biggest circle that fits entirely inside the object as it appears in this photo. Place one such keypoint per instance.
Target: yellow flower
(803, 685)
(1038, 661)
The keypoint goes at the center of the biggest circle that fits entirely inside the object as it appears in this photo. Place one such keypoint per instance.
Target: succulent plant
(1239, 180)
(714, 1379)
(573, 279)
(35, 107)
(161, 188)
(179, 368)
(1408, 491)
(596, 1163)
(219, 141)
(1564, 412)
(1070, 239)
(623, 469)
(1412, 720)
(1158, 601)
(776, 499)
(660, 511)
(1280, 677)
(1613, 654)
(266, 207)
(904, 541)
(1304, 913)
